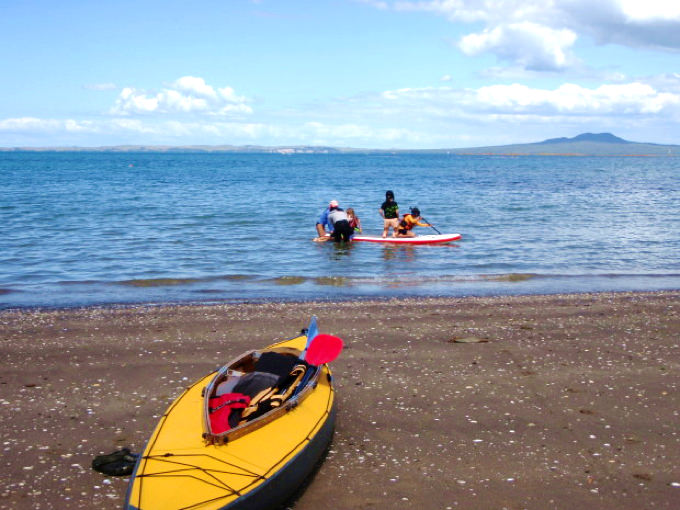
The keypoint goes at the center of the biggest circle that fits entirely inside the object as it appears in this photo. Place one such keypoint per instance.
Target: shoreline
(220, 289)
(529, 401)
(510, 278)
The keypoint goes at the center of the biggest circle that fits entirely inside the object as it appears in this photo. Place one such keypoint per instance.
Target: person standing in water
(389, 210)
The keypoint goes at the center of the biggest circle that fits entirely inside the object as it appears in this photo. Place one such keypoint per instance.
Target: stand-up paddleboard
(425, 239)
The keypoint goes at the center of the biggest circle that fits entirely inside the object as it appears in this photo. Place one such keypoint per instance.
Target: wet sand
(510, 402)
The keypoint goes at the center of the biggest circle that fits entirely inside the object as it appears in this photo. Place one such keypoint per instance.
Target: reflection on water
(340, 249)
(400, 252)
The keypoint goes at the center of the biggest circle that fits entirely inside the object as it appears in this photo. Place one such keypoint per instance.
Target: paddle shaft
(435, 228)
(312, 331)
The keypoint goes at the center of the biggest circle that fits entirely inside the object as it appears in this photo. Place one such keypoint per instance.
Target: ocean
(115, 228)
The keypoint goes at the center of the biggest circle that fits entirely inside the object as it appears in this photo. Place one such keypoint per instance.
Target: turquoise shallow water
(84, 228)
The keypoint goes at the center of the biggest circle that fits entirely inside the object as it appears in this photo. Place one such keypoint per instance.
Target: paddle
(312, 331)
(435, 228)
(323, 349)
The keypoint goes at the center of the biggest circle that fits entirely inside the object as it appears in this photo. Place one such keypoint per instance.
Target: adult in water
(324, 222)
(341, 229)
(405, 228)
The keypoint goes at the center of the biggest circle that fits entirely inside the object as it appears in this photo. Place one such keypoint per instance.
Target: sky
(389, 74)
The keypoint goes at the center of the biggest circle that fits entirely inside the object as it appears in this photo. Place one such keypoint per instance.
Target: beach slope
(508, 402)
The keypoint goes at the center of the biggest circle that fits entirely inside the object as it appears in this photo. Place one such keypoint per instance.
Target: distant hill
(585, 144)
(588, 137)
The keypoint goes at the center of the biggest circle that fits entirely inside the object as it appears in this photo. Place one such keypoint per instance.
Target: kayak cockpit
(253, 390)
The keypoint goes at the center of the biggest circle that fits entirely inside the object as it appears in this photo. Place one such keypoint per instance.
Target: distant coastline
(586, 144)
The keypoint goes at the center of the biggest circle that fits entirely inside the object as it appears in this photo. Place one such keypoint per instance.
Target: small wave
(397, 281)
(234, 277)
(81, 282)
(333, 281)
(290, 280)
(158, 282)
(509, 277)
(170, 281)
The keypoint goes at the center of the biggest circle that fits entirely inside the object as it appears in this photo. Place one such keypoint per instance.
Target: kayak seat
(275, 377)
(277, 363)
(253, 383)
(290, 370)
(289, 385)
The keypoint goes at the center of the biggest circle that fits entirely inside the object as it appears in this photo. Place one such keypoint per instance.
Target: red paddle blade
(323, 349)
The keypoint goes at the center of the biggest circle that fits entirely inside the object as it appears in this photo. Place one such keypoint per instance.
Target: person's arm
(321, 224)
(323, 219)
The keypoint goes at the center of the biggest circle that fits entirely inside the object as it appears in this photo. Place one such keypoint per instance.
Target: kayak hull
(425, 239)
(259, 469)
(283, 485)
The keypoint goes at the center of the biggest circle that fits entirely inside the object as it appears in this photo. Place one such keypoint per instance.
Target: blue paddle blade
(312, 331)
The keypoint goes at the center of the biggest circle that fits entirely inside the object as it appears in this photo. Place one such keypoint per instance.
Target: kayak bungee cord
(184, 469)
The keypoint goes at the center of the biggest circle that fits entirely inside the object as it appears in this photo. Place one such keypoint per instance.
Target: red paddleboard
(426, 239)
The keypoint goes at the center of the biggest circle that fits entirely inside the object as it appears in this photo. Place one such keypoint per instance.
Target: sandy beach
(509, 402)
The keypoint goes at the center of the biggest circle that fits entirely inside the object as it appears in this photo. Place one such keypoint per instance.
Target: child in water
(409, 221)
(354, 220)
(389, 210)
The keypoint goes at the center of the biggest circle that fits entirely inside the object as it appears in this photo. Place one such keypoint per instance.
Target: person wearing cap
(389, 210)
(324, 222)
(341, 229)
(409, 221)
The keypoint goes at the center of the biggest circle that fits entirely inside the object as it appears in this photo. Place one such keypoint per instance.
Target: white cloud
(630, 99)
(33, 124)
(535, 47)
(187, 95)
(571, 99)
(541, 34)
(409, 118)
(650, 10)
(192, 85)
(653, 24)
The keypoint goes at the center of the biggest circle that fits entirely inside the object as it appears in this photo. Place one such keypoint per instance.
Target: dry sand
(569, 401)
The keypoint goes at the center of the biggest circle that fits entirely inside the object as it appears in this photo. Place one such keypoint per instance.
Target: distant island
(585, 144)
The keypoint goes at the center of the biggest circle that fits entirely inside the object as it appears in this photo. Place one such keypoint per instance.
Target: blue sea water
(86, 228)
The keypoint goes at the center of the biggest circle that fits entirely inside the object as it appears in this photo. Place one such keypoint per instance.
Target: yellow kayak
(244, 436)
